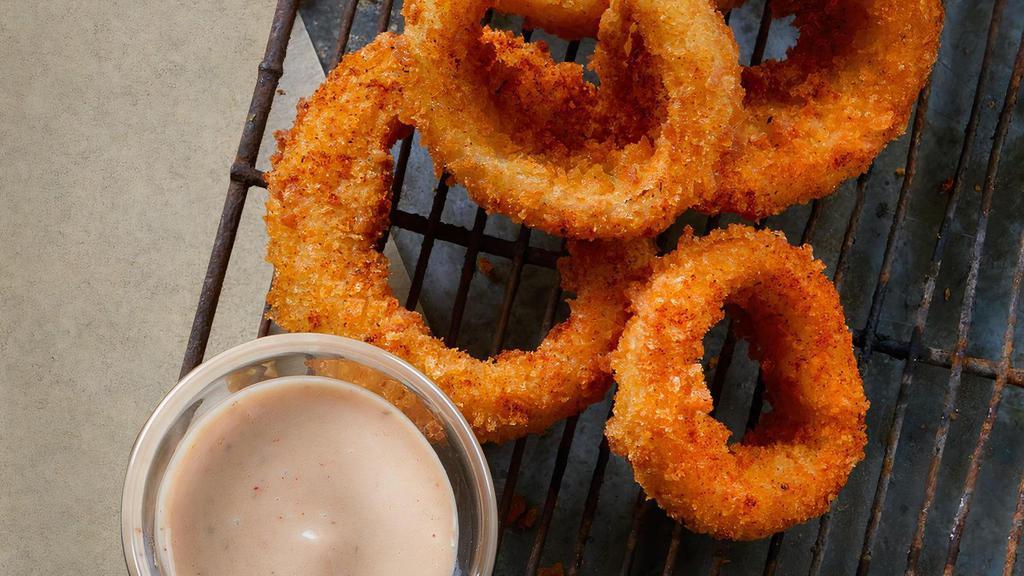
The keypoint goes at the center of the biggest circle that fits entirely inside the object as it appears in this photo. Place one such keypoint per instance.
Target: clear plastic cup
(323, 355)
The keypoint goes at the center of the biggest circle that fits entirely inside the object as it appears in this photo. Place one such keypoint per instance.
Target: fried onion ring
(622, 162)
(820, 116)
(791, 466)
(570, 19)
(329, 201)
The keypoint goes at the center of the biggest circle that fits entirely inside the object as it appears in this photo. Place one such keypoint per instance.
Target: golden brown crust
(570, 19)
(794, 463)
(329, 199)
(820, 117)
(623, 161)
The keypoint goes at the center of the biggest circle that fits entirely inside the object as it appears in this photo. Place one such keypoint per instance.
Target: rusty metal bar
(671, 556)
(869, 341)
(508, 491)
(270, 70)
(771, 563)
(942, 358)
(515, 462)
(590, 504)
(248, 175)
(906, 381)
(548, 511)
(850, 235)
(881, 286)
(561, 460)
(466, 278)
(345, 32)
(896, 228)
(468, 269)
(642, 507)
(838, 280)
(1013, 539)
(966, 311)
(433, 223)
(458, 235)
(427, 245)
(967, 492)
(384, 16)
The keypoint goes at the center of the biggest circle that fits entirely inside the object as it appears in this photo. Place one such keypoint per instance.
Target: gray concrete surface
(117, 124)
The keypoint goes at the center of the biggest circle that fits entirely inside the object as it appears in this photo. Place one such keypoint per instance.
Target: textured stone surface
(119, 121)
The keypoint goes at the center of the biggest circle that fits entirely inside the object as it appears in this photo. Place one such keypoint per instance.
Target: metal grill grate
(943, 421)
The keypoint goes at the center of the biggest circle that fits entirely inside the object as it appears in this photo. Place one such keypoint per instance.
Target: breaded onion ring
(791, 466)
(821, 115)
(622, 162)
(570, 19)
(329, 200)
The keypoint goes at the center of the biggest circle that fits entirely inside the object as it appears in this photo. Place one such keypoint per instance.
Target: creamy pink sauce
(304, 475)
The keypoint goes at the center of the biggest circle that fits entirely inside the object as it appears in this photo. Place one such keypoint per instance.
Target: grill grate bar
(943, 359)
(673, 549)
(569, 430)
(384, 16)
(850, 235)
(466, 277)
(515, 462)
(966, 311)
(641, 509)
(345, 31)
(270, 70)
(590, 505)
(433, 224)
(1013, 539)
(427, 245)
(967, 491)
(461, 236)
(881, 286)
(838, 280)
(508, 492)
(548, 511)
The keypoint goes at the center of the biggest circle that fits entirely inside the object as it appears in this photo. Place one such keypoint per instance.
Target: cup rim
(182, 394)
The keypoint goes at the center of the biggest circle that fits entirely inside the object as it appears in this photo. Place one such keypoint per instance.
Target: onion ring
(329, 201)
(570, 19)
(627, 160)
(791, 466)
(821, 116)
(817, 118)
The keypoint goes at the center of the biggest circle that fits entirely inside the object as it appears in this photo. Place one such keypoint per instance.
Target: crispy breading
(620, 160)
(329, 200)
(792, 465)
(570, 19)
(819, 117)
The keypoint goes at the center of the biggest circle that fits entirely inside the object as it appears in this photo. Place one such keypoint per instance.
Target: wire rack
(926, 249)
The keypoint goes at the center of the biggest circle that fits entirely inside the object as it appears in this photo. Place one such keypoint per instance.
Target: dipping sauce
(306, 476)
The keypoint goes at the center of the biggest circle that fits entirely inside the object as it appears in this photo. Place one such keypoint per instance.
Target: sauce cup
(322, 355)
